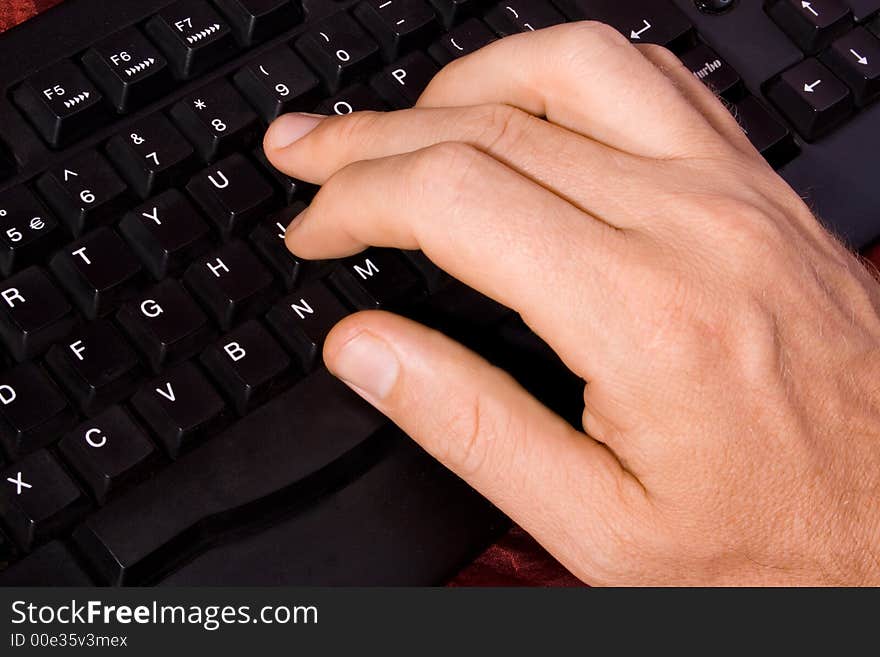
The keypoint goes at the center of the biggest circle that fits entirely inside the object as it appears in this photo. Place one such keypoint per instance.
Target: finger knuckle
(747, 230)
(593, 35)
(443, 172)
(473, 432)
(500, 125)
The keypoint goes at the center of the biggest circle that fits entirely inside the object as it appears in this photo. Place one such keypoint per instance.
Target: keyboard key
(7, 161)
(462, 40)
(96, 366)
(166, 233)
(290, 187)
(180, 407)
(377, 278)
(708, 67)
(855, 58)
(61, 102)
(33, 313)
(233, 194)
(268, 241)
(28, 231)
(257, 20)
(128, 68)
(276, 449)
(38, 500)
(403, 82)
(217, 120)
(278, 82)
(165, 324)
(231, 282)
(356, 98)
(863, 9)
(51, 565)
(643, 21)
(99, 272)
(811, 98)
(515, 16)
(454, 11)
(192, 35)
(107, 451)
(338, 49)
(811, 25)
(398, 25)
(769, 136)
(302, 320)
(247, 364)
(85, 192)
(435, 278)
(33, 412)
(151, 155)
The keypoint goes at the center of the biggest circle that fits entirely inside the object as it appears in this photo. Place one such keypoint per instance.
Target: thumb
(479, 422)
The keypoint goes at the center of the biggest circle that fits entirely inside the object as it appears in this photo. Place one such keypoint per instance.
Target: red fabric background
(516, 559)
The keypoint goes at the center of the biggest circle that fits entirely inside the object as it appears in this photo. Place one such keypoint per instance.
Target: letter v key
(168, 393)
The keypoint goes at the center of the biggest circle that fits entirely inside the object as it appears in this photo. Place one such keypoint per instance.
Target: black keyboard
(164, 414)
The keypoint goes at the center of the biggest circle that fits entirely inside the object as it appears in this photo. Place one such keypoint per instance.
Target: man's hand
(730, 346)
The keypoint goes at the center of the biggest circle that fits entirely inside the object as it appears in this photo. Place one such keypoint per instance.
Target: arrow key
(855, 57)
(811, 97)
(642, 21)
(811, 24)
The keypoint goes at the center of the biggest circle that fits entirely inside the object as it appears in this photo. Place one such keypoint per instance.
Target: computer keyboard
(164, 414)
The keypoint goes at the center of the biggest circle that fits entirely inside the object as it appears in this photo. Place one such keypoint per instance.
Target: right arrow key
(811, 98)
(855, 58)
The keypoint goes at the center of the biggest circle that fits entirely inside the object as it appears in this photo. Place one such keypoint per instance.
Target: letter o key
(100, 442)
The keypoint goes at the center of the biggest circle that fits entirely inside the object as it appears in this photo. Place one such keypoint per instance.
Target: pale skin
(730, 346)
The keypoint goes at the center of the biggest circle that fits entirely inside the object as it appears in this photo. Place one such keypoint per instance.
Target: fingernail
(368, 364)
(289, 128)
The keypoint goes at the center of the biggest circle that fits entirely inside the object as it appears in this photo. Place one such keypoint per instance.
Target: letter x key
(19, 483)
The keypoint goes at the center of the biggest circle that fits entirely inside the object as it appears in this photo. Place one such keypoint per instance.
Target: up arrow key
(810, 87)
(809, 7)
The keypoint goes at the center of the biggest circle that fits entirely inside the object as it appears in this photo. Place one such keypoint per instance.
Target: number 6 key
(84, 191)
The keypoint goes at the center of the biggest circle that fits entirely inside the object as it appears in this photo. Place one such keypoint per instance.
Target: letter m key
(368, 270)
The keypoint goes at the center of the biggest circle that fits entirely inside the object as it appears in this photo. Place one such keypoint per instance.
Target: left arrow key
(61, 103)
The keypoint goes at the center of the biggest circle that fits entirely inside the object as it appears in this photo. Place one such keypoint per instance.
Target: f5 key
(61, 102)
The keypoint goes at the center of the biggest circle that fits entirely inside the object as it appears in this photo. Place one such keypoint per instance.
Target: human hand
(731, 347)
